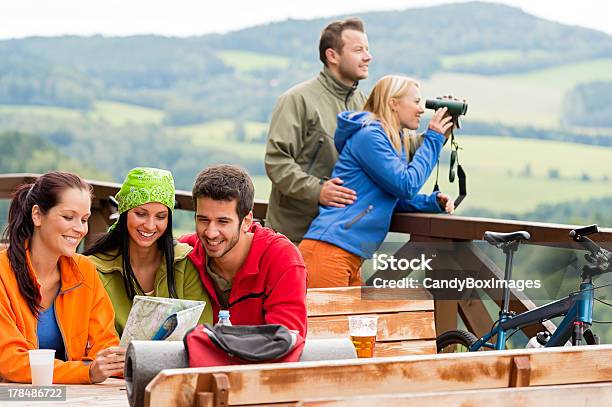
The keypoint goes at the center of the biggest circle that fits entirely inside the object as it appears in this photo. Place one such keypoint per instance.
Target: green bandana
(144, 185)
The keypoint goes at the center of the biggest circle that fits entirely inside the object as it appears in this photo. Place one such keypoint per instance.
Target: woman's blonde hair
(389, 87)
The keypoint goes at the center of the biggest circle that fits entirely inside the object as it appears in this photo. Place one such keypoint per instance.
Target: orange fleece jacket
(84, 314)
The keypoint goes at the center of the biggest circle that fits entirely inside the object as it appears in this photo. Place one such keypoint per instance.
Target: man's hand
(446, 203)
(108, 362)
(333, 194)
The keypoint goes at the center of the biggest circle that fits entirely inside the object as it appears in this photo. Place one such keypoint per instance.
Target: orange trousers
(330, 266)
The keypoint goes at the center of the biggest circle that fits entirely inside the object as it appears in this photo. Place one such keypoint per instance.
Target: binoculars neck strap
(462, 185)
(460, 174)
(436, 187)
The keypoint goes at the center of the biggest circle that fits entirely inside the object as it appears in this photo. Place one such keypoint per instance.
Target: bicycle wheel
(455, 341)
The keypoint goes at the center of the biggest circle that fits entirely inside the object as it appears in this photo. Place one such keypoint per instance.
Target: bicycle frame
(577, 308)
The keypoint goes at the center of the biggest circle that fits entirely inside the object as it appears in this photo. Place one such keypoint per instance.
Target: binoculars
(455, 108)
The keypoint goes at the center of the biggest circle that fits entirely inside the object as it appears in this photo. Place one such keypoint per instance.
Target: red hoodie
(269, 288)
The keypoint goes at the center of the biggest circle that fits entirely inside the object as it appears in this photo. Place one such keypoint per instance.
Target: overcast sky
(22, 18)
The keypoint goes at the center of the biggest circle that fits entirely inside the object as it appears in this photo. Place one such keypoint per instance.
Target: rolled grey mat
(328, 349)
(144, 360)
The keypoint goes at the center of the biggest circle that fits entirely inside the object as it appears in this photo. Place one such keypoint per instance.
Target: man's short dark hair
(225, 183)
(331, 36)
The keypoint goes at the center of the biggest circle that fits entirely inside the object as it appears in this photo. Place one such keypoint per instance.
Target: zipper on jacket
(246, 297)
(363, 213)
(314, 156)
(348, 95)
(60, 327)
(66, 358)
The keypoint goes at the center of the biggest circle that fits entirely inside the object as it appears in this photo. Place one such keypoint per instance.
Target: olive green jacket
(187, 280)
(300, 152)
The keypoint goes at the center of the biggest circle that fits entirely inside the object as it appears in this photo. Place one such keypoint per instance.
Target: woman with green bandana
(138, 255)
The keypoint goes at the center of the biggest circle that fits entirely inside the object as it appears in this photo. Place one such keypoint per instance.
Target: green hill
(183, 103)
(240, 74)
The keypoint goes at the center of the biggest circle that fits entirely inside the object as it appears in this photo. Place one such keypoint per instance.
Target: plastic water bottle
(538, 341)
(224, 318)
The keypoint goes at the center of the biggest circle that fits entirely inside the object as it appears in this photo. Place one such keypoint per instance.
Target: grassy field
(251, 61)
(215, 131)
(488, 57)
(530, 99)
(43, 111)
(511, 155)
(496, 177)
(115, 113)
(494, 100)
(533, 99)
(512, 175)
(567, 76)
(121, 113)
(220, 135)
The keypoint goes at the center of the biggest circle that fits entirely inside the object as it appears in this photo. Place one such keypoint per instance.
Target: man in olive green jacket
(300, 152)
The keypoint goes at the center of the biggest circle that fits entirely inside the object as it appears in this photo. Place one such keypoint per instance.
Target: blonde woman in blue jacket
(373, 162)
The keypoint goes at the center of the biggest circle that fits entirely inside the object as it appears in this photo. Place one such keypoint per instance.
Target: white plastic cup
(41, 366)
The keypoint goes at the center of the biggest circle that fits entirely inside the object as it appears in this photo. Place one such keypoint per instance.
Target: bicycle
(577, 307)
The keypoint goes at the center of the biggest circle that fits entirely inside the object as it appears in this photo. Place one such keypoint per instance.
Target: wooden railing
(386, 381)
(422, 228)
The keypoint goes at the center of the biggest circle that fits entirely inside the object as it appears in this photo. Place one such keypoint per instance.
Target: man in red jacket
(252, 271)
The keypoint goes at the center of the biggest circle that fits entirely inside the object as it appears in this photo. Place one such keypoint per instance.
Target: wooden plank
(292, 404)
(176, 390)
(405, 348)
(292, 382)
(391, 327)
(220, 389)
(476, 317)
(445, 315)
(9, 182)
(205, 399)
(558, 396)
(582, 364)
(366, 300)
(520, 372)
(471, 228)
(99, 221)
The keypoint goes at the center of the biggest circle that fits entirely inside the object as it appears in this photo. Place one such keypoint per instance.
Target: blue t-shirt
(49, 334)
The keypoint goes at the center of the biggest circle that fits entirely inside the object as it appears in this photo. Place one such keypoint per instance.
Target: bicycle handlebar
(584, 231)
(590, 245)
(600, 257)
(580, 236)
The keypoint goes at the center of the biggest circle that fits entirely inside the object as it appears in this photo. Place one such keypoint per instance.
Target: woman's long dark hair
(44, 192)
(118, 240)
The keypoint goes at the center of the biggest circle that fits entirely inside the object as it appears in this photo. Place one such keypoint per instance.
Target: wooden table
(110, 393)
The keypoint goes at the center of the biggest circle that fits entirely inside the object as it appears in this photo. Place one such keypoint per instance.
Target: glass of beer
(363, 334)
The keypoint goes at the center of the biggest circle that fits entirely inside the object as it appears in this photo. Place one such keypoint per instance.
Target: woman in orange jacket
(51, 297)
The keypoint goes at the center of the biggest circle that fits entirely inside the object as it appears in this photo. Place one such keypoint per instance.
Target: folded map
(161, 318)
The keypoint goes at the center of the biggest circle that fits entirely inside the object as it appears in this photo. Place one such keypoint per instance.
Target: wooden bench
(405, 317)
(571, 395)
(291, 383)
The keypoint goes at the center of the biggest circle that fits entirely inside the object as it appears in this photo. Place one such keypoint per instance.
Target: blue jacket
(383, 180)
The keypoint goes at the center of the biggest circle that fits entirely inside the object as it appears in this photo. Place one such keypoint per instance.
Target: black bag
(253, 343)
